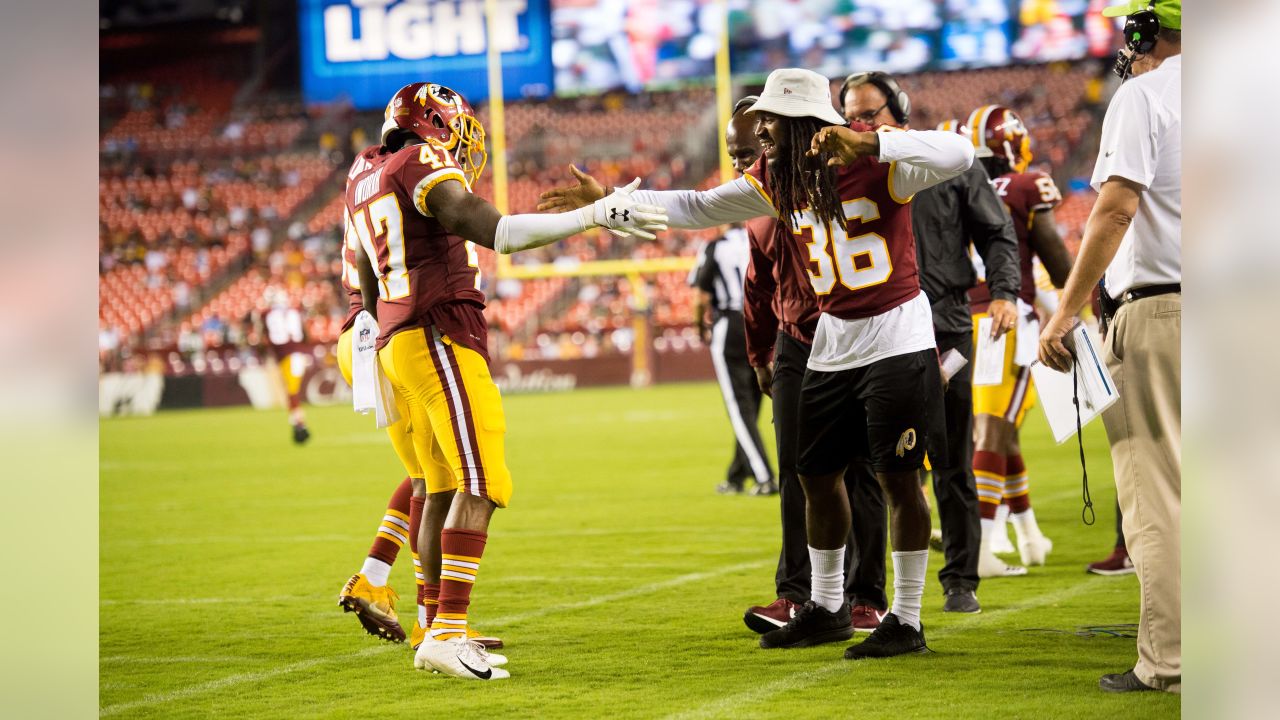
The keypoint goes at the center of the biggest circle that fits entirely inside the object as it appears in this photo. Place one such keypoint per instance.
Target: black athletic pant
(741, 394)
(864, 576)
(953, 484)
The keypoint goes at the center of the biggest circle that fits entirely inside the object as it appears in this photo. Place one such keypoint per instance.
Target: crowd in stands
(209, 213)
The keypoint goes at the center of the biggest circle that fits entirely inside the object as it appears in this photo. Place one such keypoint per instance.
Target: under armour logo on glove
(621, 215)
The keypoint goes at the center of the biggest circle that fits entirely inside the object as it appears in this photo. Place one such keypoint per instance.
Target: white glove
(621, 215)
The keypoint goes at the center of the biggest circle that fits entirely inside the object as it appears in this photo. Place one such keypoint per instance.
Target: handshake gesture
(617, 212)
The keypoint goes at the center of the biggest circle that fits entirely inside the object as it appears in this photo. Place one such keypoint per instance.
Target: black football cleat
(301, 434)
(893, 637)
(811, 624)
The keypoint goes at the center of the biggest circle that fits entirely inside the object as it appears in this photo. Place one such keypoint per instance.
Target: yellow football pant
(455, 405)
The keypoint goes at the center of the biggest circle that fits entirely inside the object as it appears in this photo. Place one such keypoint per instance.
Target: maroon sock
(393, 531)
(988, 475)
(1017, 491)
(416, 505)
(461, 551)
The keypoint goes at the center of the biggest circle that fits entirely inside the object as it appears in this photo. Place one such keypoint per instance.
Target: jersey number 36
(859, 262)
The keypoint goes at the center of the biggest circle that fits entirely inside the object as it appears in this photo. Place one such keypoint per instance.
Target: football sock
(826, 586)
(909, 570)
(1017, 491)
(416, 505)
(393, 531)
(988, 475)
(460, 553)
(1024, 523)
(1002, 515)
(988, 530)
(375, 571)
(428, 603)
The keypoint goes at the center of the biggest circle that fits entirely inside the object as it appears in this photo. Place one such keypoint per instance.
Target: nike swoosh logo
(1110, 153)
(488, 672)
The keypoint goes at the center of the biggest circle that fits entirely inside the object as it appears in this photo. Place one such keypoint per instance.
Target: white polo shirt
(1142, 142)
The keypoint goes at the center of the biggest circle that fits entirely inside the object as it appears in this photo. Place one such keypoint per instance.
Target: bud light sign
(365, 50)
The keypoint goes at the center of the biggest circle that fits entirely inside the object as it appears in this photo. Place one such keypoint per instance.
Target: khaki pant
(1143, 353)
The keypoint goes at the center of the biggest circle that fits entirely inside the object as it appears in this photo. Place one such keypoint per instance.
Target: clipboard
(1097, 390)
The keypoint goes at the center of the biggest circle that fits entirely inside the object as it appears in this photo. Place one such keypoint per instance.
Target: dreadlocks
(799, 182)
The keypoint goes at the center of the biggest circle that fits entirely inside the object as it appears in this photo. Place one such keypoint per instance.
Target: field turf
(618, 579)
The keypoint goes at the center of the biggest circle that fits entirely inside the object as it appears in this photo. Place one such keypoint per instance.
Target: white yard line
(260, 676)
(232, 681)
(739, 705)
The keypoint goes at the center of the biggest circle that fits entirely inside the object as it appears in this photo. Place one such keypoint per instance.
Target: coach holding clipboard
(1135, 234)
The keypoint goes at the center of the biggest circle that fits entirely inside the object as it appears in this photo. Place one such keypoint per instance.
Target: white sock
(1002, 515)
(1024, 524)
(376, 571)
(826, 585)
(988, 529)
(422, 616)
(909, 569)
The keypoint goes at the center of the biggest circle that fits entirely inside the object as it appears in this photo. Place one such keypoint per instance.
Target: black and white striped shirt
(721, 268)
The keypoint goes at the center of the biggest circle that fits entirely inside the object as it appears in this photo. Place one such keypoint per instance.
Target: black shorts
(882, 411)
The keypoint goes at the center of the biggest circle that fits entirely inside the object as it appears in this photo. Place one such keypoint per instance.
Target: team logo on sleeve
(907, 441)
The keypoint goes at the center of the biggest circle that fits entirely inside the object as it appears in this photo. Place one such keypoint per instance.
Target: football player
(842, 192)
(368, 593)
(287, 338)
(1003, 145)
(409, 203)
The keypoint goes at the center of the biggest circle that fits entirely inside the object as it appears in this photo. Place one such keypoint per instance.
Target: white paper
(988, 357)
(1056, 390)
(952, 362)
(1027, 339)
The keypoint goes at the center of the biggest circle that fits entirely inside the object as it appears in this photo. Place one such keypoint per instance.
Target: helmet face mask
(434, 113)
(998, 132)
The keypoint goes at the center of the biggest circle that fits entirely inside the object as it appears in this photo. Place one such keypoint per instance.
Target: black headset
(746, 101)
(895, 97)
(1141, 30)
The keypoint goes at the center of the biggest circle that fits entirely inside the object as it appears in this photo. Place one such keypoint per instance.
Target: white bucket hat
(796, 92)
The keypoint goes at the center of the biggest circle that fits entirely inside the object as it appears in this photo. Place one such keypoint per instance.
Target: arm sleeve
(736, 201)
(524, 232)
(1128, 147)
(990, 229)
(922, 158)
(758, 291)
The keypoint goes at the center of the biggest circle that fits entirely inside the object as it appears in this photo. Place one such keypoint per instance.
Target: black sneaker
(812, 624)
(1123, 682)
(893, 637)
(961, 600)
(768, 487)
(301, 434)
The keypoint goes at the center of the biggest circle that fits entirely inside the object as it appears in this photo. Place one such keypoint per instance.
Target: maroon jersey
(1023, 195)
(776, 291)
(869, 266)
(350, 276)
(426, 275)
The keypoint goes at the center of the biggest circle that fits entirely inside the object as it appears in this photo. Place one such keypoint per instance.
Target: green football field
(617, 578)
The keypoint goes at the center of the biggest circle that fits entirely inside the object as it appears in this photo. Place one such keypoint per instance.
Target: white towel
(364, 363)
(370, 388)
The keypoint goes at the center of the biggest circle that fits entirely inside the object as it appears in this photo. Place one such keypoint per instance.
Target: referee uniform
(722, 265)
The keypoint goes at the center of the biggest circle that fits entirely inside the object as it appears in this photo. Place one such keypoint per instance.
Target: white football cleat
(990, 566)
(460, 658)
(1034, 549)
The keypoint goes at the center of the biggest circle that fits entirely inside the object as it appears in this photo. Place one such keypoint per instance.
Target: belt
(1148, 291)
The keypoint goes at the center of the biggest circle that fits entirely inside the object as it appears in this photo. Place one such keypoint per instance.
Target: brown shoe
(866, 618)
(1117, 563)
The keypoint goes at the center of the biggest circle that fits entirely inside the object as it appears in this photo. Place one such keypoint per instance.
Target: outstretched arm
(474, 219)
(921, 158)
(735, 201)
